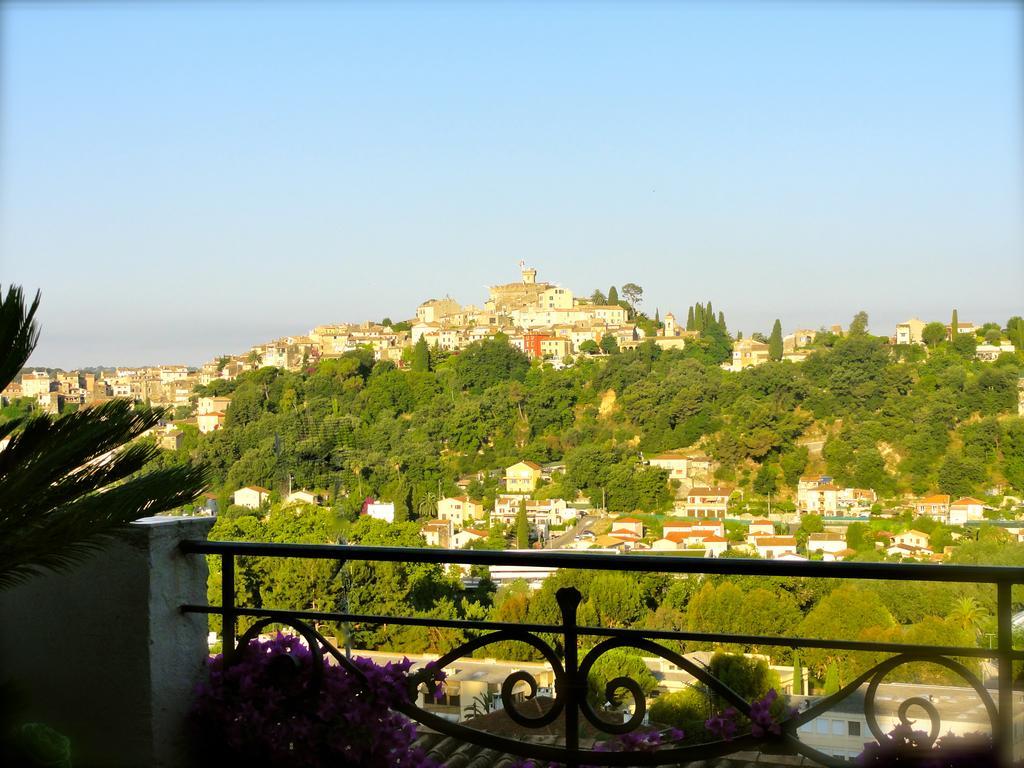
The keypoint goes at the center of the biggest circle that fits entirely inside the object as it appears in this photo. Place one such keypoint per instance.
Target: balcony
(131, 636)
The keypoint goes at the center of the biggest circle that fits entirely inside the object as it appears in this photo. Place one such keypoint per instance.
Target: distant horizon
(316, 163)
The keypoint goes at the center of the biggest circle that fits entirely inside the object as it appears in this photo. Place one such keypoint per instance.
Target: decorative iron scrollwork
(571, 692)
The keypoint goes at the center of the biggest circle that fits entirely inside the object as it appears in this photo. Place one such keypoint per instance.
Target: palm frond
(68, 483)
(18, 332)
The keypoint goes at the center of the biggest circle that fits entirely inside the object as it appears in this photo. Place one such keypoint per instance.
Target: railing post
(568, 601)
(227, 601)
(1004, 628)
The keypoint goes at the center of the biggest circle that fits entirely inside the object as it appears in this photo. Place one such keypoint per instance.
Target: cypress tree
(689, 320)
(831, 679)
(613, 296)
(522, 527)
(798, 675)
(421, 356)
(710, 314)
(698, 317)
(954, 326)
(775, 341)
(721, 320)
(657, 315)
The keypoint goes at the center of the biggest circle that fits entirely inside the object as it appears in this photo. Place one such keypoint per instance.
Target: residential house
(170, 440)
(612, 542)
(773, 547)
(989, 352)
(210, 422)
(962, 510)
(707, 502)
(437, 533)
(853, 498)
(747, 353)
(629, 526)
(910, 544)
(909, 331)
(542, 515)
(251, 496)
(935, 506)
(682, 465)
(216, 404)
(460, 510)
(522, 477)
(304, 497)
(379, 510)
(962, 328)
(462, 538)
(830, 543)
(705, 527)
(36, 383)
(761, 527)
(819, 500)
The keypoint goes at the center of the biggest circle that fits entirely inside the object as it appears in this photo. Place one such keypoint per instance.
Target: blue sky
(187, 179)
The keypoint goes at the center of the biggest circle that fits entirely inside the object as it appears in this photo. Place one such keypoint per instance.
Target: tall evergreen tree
(709, 315)
(954, 326)
(721, 321)
(421, 356)
(613, 296)
(657, 315)
(798, 675)
(832, 684)
(690, 324)
(522, 527)
(775, 341)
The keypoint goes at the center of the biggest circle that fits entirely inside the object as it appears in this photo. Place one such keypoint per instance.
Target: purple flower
(265, 710)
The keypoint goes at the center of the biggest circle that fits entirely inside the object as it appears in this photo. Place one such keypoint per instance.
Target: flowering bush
(265, 710)
(904, 746)
(766, 717)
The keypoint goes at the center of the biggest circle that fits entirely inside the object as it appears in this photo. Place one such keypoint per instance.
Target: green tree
(954, 325)
(589, 347)
(775, 342)
(933, 334)
(965, 344)
(798, 675)
(618, 662)
(609, 345)
(67, 483)
(633, 294)
(613, 296)
(847, 613)
(859, 324)
(767, 480)
(690, 325)
(832, 683)
(421, 356)
(598, 298)
(522, 527)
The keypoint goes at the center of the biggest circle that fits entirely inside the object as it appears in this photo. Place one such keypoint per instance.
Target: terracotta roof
(704, 491)
(761, 522)
(626, 520)
(609, 541)
(259, 488)
(776, 541)
(714, 539)
(475, 532)
(964, 502)
(937, 498)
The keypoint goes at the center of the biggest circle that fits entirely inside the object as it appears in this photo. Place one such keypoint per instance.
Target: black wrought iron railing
(571, 672)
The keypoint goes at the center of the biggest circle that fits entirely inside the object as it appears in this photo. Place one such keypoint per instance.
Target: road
(585, 523)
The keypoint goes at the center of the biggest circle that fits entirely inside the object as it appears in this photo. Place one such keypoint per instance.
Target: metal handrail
(571, 685)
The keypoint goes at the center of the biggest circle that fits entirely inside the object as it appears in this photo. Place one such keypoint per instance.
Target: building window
(853, 728)
(821, 724)
(837, 727)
